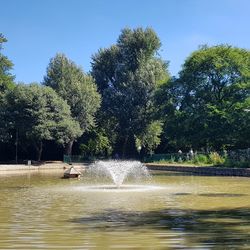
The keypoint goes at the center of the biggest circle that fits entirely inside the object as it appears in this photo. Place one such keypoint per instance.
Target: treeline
(128, 104)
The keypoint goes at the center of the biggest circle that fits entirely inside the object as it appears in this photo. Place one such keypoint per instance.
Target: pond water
(169, 211)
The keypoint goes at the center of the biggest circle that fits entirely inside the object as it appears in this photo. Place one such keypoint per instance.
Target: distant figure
(116, 156)
(180, 155)
(225, 153)
(191, 153)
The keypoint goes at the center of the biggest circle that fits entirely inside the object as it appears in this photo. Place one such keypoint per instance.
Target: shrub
(216, 159)
(236, 164)
(200, 158)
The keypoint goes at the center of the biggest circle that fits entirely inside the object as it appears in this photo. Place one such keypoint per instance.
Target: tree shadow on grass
(218, 228)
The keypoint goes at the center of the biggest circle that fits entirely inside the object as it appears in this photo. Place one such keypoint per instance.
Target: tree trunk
(39, 150)
(124, 146)
(68, 148)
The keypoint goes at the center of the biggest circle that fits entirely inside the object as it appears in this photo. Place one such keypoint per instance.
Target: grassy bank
(206, 160)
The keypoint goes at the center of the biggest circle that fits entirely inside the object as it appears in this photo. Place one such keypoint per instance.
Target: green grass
(213, 159)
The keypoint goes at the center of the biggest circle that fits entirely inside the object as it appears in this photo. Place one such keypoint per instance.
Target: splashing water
(119, 170)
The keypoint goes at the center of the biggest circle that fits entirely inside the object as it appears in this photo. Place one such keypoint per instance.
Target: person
(180, 154)
(191, 153)
(116, 156)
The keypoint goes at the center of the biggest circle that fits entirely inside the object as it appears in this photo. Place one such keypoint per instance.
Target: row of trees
(208, 105)
(129, 104)
(60, 109)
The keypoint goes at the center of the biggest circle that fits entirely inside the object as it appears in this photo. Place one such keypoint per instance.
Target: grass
(212, 159)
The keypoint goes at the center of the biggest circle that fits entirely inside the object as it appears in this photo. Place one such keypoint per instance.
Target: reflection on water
(171, 212)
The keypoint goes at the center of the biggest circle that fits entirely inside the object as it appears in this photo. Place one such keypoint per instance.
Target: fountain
(118, 171)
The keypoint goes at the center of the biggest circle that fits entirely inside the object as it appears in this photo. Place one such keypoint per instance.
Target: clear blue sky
(37, 29)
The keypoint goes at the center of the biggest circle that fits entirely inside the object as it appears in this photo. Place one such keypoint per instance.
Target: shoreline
(198, 170)
(23, 168)
(6, 169)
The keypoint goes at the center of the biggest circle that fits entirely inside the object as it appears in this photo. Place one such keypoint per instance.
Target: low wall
(21, 168)
(211, 171)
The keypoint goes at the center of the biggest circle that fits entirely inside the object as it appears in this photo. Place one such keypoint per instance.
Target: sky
(38, 29)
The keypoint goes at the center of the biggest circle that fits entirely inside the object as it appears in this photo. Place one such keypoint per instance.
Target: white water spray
(118, 171)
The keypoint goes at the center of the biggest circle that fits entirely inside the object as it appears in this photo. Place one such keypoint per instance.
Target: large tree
(77, 88)
(38, 114)
(211, 99)
(6, 83)
(127, 74)
(6, 78)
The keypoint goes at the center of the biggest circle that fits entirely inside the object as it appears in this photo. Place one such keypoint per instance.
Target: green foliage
(209, 100)
(99, 145)
(237, 159)
(150, 139)
(185, 158)
(127, 75)
(39, 114)
(6, 84)
(200, 159)
(236, 164)
(77, 88)
(216, 159)
(6, 79)
(232, 159)
(205, 108)
(136, 46)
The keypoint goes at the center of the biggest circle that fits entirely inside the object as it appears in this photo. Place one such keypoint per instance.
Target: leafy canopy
(211, 96)
(6, 79)
(127, 75)
(77, 88)
(39, 114)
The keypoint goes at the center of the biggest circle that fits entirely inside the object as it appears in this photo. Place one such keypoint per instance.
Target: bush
(216, 159)
(200, 158)
(233, 159)
(236, 164)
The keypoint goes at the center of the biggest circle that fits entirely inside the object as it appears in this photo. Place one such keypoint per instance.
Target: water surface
(169, 211)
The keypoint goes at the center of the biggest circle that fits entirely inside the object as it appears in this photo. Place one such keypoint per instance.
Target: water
(170, 211)
(118, 171)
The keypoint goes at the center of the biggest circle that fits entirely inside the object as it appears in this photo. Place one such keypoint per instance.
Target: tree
(97, 144)
(211, 97)
(39, 114)
(127, 75)
(150, 139)
(77, 88)
(6, 79)
(6, 83)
